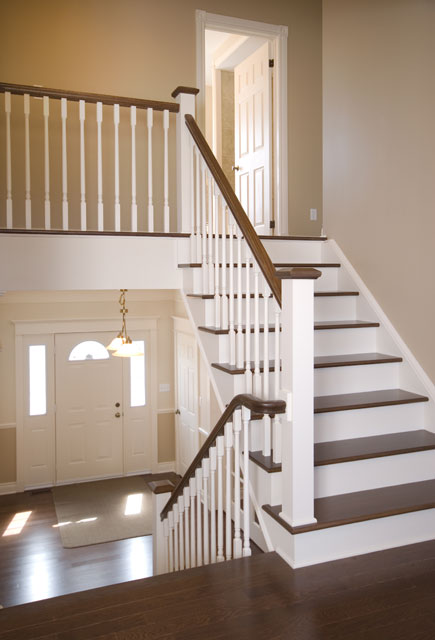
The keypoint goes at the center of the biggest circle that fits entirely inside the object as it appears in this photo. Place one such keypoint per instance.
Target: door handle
(117, 404)
(117, 414)
(177, 412)
(235, 167)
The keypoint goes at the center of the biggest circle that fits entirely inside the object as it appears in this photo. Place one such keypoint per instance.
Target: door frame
(278, 36)
(49, 328)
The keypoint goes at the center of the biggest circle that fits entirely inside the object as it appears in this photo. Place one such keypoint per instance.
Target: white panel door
(253, 121)
(187, 398)
(89, 422)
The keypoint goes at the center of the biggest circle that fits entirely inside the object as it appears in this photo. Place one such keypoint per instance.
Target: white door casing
(252, 137)
(186, 367)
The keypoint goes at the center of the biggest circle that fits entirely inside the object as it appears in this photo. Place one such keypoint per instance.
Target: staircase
(374, 450)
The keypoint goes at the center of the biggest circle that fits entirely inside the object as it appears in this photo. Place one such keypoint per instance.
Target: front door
(89, 420)
(252, 140)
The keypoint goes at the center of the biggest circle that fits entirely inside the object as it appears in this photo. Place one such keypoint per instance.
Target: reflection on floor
(34, 565)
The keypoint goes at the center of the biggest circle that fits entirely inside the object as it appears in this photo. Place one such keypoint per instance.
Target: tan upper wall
(379, 154)
(145, 49)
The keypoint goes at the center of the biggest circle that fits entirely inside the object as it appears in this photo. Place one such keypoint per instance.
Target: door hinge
(272, 224)
(271, 63)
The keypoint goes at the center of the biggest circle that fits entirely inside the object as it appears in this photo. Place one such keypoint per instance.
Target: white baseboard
(8, 487)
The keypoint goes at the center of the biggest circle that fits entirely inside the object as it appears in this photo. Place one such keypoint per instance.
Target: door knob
(117, 404)
(117, 414)
(177, 412)
(235, 168)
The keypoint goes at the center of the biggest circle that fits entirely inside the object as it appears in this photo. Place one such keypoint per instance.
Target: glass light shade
(116, 343)
(128, 350)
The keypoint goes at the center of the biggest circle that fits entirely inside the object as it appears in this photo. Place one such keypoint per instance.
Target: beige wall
(84, 305)
(144, 49)
(379, 154)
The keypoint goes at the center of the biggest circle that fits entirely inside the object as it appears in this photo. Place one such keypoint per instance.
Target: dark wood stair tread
(353, 359)
(360, 506)
(365, 400)
(234, 370)
(317, 294)
(278, 265)
(355, 449)
(344, 324)
(221, 332)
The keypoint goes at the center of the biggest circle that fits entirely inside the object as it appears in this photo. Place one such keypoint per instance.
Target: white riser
(294, 250)
(363, 475)
(341, 425)
(193, 280)
(216, 347)
(349, 540)
(267, 486)
(228, 385)
(335, 380)
(335, 308)
(341, 341)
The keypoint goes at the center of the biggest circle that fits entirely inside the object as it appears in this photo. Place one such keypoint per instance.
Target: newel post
(161, 490)
(185, 97)
(297, 384)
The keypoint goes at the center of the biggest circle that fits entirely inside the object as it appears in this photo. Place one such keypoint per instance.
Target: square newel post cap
(298, 273)
(189, 90)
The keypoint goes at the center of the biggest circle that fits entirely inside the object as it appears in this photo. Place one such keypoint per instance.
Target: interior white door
(187, 399)
(89, 421)
(252, 137)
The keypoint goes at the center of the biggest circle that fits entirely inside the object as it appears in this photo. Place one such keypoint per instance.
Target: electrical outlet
(313, 214)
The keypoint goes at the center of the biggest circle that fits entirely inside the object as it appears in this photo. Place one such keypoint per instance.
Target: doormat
(103, 511)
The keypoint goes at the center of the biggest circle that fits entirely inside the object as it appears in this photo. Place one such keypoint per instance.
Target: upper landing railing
(69, 168)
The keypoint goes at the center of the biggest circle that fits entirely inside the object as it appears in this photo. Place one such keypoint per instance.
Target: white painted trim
(422, 376)
(278, 35)
(8, 487)
(183, 324)
(159, 411)
(166, 467)
(35, 327)
(8, 425)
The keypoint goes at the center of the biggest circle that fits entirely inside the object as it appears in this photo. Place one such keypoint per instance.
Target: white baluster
(100, 167)
(213, 464)
(166, 534)
(228, 492)
(198, 477)
(220, 505)
(150, 170)
(133, 169)
(8, 161)
(117, 201)
(266, 374)
(246, 417)
(47, 213)
(248, 372)
(82, 114)
(176, 548)
(166, 222)
(204, 231)
(239, 336)
(198, 206)
(181, 540)
(257, 376)
(186, 496)
(277, 457)
(205, 477)
(192, 204)
(237, 425)
(217, 300)
(210, 236)
(171, 540)
(232, 333)
(63, 115)
(27, 159)
(224, 299)
(192, 491)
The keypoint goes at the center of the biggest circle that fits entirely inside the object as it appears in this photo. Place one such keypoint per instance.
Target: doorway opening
(242, 106)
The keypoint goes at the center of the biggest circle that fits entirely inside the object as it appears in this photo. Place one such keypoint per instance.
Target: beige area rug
(103, 511)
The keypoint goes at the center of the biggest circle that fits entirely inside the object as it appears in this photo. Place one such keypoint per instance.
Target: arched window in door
(88, 350)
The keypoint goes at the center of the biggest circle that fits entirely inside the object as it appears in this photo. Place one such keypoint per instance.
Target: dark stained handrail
(259, 252)
(256, 405)
(75, 96)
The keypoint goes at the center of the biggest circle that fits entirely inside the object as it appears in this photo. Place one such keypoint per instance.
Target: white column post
(8, 161)
(64, 115)
(185, 96)
(297, 389)
(160, 559)
(27, 159)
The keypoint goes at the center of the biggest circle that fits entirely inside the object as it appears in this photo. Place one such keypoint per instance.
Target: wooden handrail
(256, 405)
(259, 252)
(75, 96)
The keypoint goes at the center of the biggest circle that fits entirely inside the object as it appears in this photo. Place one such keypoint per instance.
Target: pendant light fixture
(122, 345)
